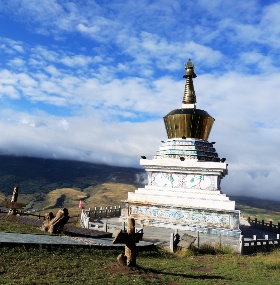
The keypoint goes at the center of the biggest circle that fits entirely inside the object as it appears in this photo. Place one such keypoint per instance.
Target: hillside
(47, 184)
(37, 175)
(258, 208)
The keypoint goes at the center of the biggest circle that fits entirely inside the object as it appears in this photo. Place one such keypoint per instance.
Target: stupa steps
(181, 201)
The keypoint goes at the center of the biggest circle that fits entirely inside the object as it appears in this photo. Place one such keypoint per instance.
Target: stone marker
(15, 195)
(54, 224)
(13, 204)
(129, 238)
(186, 241)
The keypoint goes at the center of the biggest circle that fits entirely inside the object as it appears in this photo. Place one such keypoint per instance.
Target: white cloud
(88, 30)
(16, 62)
(10, 46)
(76, 61)
(8, 91)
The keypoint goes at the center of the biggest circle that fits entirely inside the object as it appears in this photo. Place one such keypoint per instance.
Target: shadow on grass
(190, 276)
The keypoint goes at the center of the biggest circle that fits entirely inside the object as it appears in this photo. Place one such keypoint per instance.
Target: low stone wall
(206, 221)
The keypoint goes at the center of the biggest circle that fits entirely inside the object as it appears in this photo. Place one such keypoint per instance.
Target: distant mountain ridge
(38, 175)
(43, 175)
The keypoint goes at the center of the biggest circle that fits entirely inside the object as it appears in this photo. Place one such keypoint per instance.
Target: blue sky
(91, 80)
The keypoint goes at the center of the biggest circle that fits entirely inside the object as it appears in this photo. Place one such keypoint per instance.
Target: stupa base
(211, 221)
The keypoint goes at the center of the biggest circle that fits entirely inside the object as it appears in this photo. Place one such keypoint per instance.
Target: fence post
(249, 219)
(256, 220)
(278, 227)
(95, 210)
(171, 246)
(255, 243)
(262, 224)
(241, 244)
(198, 241)
(270, 226)
(105, 227)
(220, 240)
(266, 243)
(81, 219)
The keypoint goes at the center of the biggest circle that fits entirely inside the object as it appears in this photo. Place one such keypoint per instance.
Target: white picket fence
(88, 216)
(254, 245)
(84, 220)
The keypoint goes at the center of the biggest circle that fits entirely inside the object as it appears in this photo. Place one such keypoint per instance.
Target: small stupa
(183, 190)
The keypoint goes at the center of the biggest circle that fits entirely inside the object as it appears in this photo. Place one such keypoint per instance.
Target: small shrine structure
(184, 177)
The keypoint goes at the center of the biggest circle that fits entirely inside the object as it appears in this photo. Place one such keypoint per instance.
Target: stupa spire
(188, 121)
(189, 98)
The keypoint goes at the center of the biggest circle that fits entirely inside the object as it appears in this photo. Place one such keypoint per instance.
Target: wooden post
(198, 239)
(130, 248)
(256, 220)
(270, 226)
(129, 238)
(262, 224)
(278, 227)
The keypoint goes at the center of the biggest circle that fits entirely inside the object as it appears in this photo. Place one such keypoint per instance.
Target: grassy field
(74, 265)
(108, 194)
(91, 266)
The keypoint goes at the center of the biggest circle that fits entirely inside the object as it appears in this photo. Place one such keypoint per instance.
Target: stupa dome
(188, 122)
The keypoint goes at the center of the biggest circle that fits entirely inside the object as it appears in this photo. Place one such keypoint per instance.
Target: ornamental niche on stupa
(184, 176)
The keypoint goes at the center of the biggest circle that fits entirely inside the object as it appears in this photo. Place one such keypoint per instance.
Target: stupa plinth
(184, 176)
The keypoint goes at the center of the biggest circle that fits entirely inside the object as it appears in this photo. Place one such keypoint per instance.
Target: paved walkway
(16, 239)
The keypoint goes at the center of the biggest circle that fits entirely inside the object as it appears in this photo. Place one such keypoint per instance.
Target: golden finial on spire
(189, 94)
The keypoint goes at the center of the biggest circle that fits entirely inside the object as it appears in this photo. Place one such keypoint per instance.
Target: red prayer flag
(81, 204)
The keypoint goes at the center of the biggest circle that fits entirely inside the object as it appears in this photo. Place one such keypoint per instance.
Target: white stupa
(183, 189)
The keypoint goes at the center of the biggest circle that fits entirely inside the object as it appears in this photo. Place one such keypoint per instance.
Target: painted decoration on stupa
(182, 180)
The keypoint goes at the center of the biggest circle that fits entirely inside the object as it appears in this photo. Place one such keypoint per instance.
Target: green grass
(73, 265)
(15, 227)
(67, 265)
